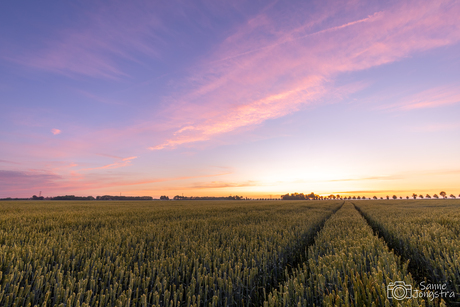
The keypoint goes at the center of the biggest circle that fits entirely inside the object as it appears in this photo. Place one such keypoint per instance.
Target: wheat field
(225, 253)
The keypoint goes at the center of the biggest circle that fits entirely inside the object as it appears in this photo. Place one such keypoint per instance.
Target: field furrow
(348, 266)
(151, 253)
(425, 233)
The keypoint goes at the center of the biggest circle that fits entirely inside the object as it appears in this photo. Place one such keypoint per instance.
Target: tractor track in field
(298, 259)
(419, 270)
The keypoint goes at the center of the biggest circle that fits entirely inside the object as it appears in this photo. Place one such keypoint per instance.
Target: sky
(217, 98)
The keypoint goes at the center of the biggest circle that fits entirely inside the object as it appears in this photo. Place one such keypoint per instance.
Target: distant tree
(395, 197)
(443, 194)
(400, 197)
(164, 197)
(421, 196)
(388, 197)
(375, 197)
(452, 196)
(363, 197)
(311, 196)
(414, 196)
(407, 197)
(428, 196)
(435, 196)
(338, 196)
(359, 197)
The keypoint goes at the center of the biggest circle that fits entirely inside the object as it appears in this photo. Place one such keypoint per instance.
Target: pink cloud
(269, 69)
(222, 184)
(31, 180)
(437, 127)
(55, 131)
(9, 162)
(120, 163)
(23, 183)
(431, 98)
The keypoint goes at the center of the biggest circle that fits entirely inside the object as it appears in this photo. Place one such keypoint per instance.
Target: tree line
(179, 197)
(104, 197)
(313, 196)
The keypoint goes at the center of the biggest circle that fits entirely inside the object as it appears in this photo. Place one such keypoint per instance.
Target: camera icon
(399, 290)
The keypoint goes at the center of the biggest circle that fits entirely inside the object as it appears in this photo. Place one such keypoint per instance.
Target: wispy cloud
(23, 182)
(223, 184)
(392, 177)
(269, 69)
(9, 162)
(435, 127)
(27, 180)
(55, 131)
(111, 32)
(117, 164)
(432, 98)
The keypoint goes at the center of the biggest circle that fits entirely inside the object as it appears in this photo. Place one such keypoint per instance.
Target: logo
(399, 290)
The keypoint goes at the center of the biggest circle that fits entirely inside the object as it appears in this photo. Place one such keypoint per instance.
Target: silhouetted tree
(428, 196)
(375, 197)
(414, 196)
(452, 196)
(388, 197)
(395, 197)
(435, 196)
(164, 197)
(421, 196)
(443, 194)
(407, 197)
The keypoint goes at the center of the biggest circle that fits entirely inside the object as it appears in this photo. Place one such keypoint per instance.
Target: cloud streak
(27, 180)
(223, 184)
(23, 182)
(431, 98)
(266, 70)
(120, 163)
(113, 32)
(393, 177)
